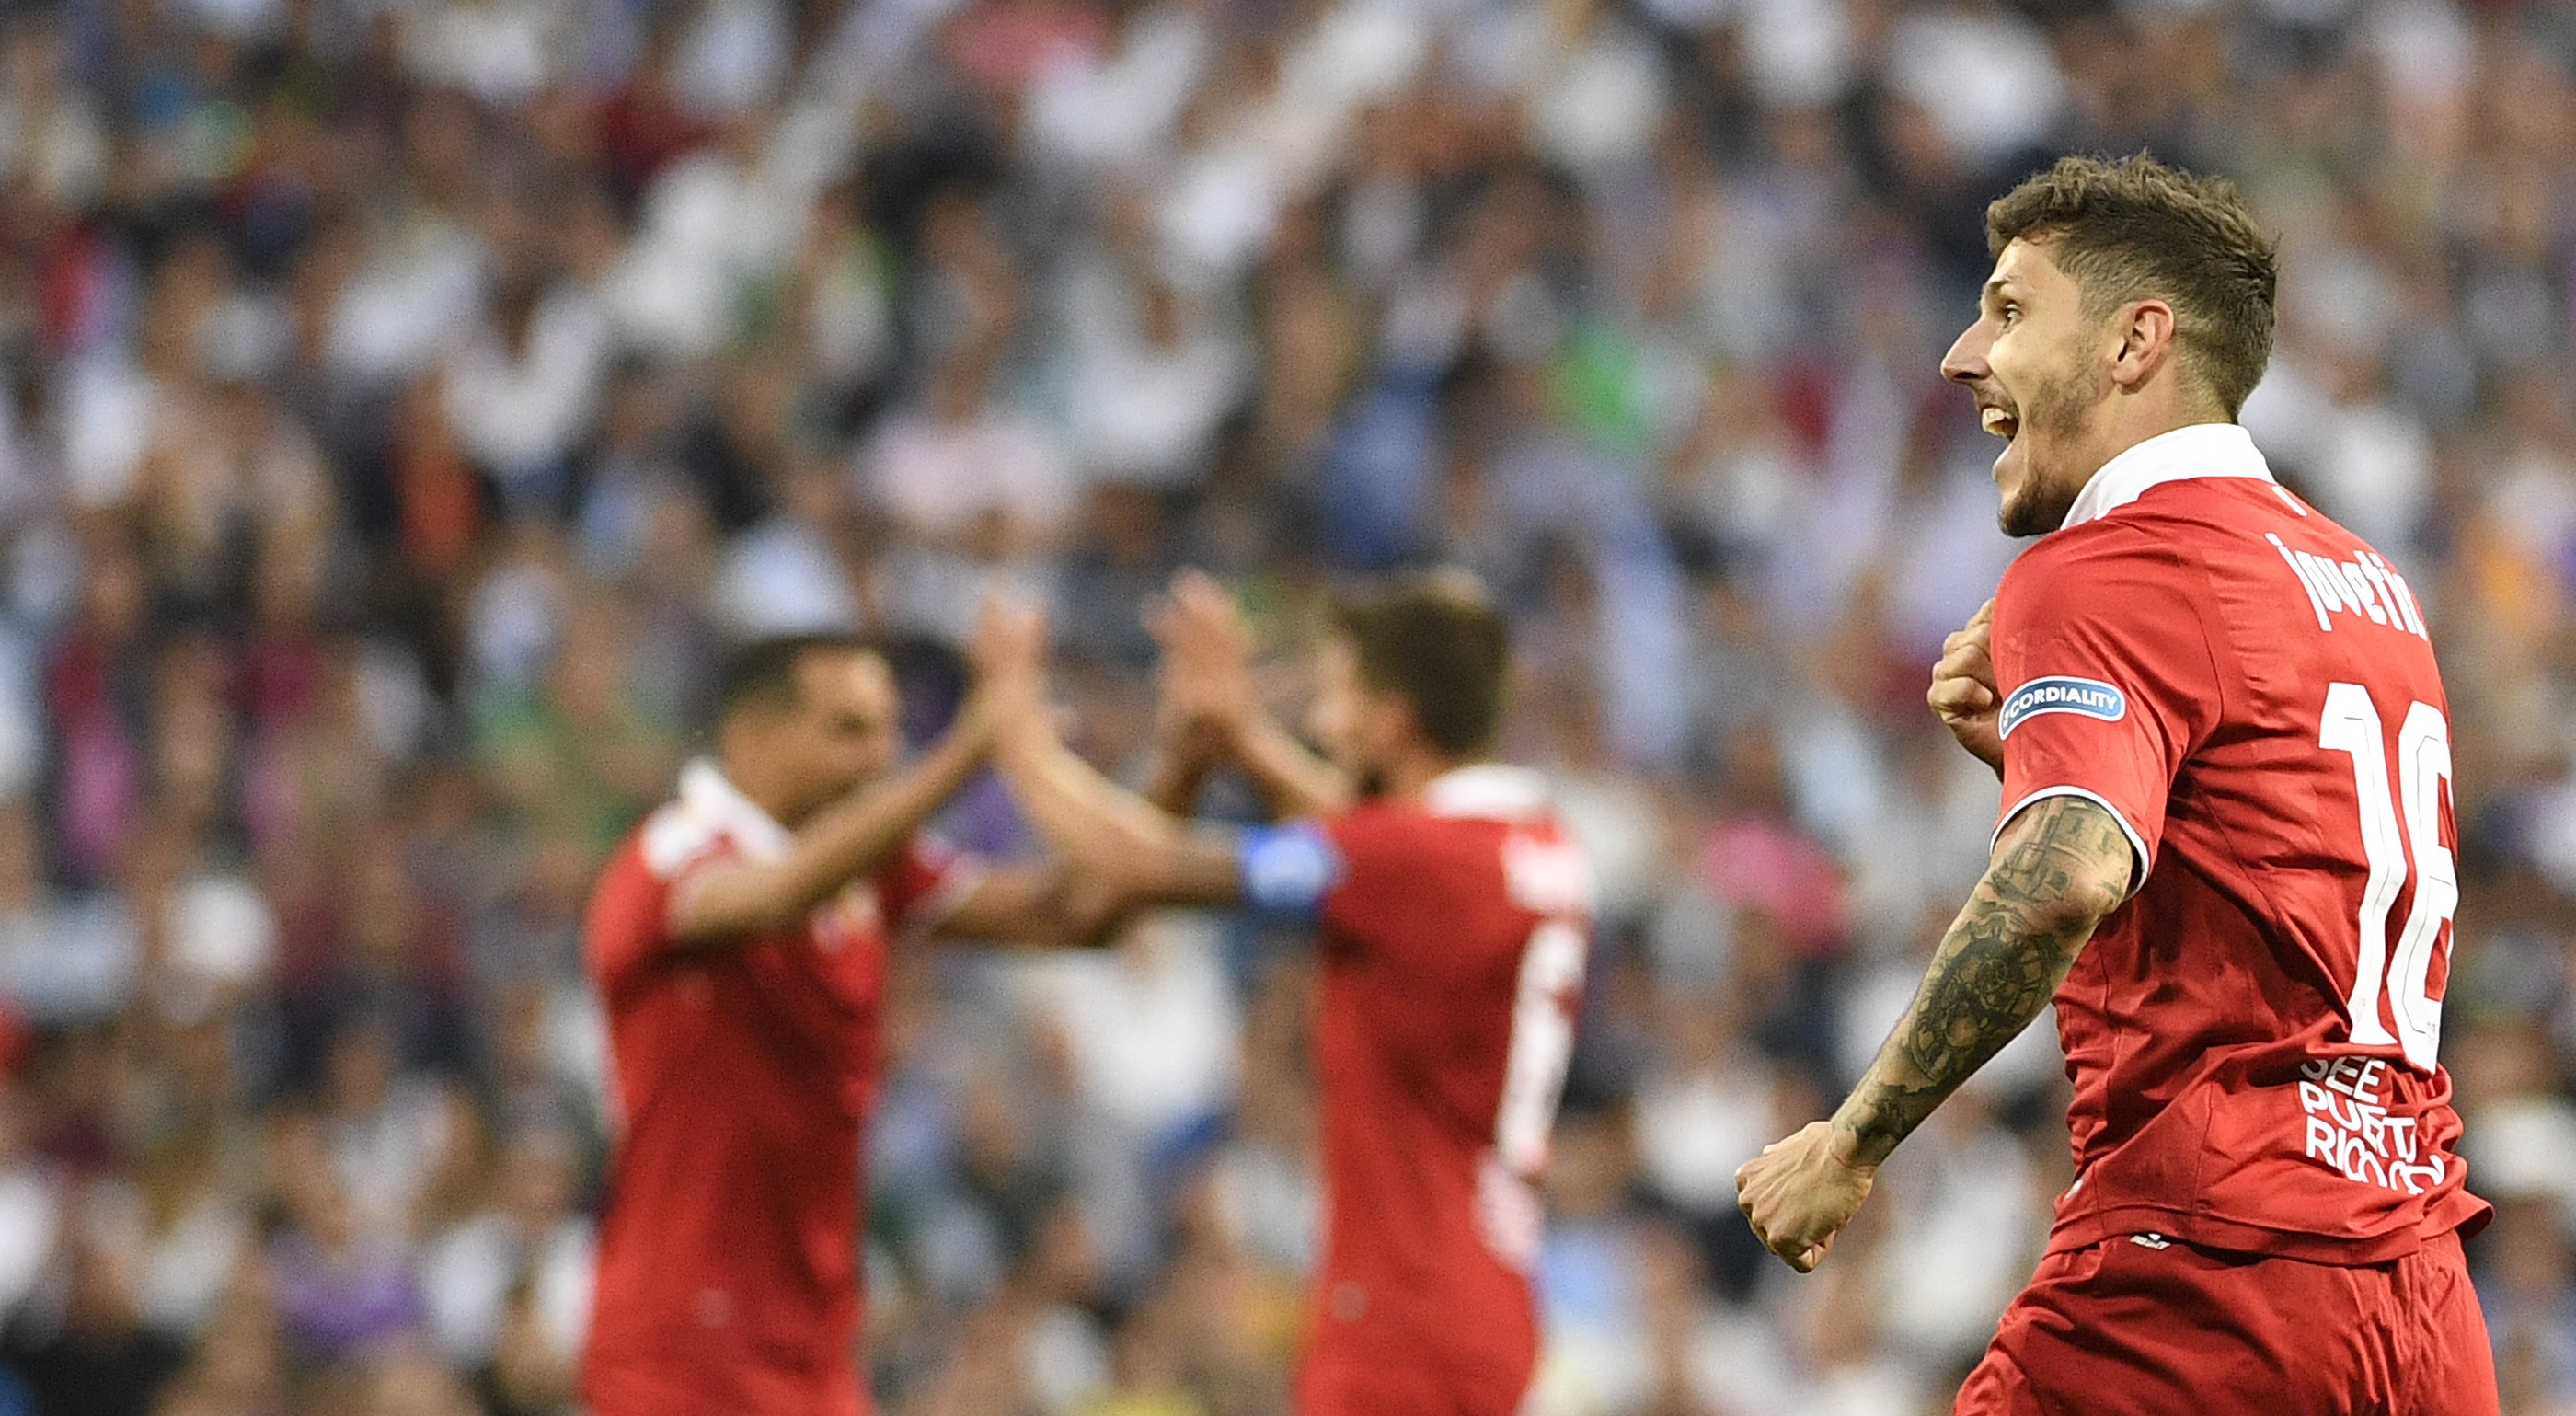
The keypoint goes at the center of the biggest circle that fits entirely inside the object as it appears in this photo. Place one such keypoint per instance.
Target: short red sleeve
(630, 915)
(629, 920)
(923, 883)
(1363, 887)
(2108, 684)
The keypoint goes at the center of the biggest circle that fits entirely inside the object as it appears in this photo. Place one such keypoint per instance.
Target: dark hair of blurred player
(1439, 645)
(1414, 675)
(1452, 916)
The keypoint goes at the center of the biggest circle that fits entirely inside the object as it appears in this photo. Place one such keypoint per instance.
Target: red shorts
(1343, 1387)
(2124, 1327)
(672, 1386)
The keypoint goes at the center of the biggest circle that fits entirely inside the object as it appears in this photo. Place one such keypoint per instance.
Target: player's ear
(2146, 331)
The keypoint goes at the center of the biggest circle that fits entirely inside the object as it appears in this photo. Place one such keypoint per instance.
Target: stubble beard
(2054, 417)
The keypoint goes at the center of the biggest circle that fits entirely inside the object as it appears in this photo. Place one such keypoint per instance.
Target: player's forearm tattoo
(2064, 865)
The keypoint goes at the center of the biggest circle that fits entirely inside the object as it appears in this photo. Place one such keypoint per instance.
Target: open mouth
(1999, 422)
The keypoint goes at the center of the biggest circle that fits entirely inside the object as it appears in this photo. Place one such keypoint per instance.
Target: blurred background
(402, 401)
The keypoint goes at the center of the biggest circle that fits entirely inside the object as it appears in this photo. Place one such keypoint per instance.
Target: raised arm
(2059, 867)
(1122, 847)
(1190, 751)
(742, 900)
(1293, 780)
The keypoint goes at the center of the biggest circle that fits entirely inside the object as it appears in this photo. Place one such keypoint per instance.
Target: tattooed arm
(2060, 866)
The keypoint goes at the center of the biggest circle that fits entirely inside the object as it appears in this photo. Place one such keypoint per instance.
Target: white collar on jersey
(1487, 791)
(706, 795)
(2200, 450)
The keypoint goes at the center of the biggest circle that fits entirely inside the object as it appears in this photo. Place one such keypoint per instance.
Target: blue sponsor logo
(2090, 697)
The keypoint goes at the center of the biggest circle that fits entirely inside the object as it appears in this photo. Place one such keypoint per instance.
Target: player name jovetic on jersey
(2061, 694)
(2362, 584)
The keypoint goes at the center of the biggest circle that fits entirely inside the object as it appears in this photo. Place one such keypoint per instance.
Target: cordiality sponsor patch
(2090, 697)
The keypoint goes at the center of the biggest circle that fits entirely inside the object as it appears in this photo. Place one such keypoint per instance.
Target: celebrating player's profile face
(2029, 362)
(1355, 726)
(1333, 717)
(843, 729)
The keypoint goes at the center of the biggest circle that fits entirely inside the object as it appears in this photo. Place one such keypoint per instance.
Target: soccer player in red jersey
(738, 940)
(2225, 847)
(1454, 923)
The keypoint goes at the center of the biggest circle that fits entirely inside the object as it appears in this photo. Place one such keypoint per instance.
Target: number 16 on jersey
(2352, 725)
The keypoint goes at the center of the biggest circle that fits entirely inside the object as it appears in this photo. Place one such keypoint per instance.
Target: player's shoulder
(2113, 563)
(1483, 830)
(2118, 538)
(1490, 791)
(1387, 828)
(1465, 809)
(639, 869)
(675, 834)
(627, 900)
(625, 864)
(1474, 805)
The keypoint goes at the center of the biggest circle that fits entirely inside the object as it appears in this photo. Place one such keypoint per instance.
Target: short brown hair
(1437, 642)
(2132, 228)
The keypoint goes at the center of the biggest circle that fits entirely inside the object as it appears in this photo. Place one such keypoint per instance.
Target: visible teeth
(1998, 422)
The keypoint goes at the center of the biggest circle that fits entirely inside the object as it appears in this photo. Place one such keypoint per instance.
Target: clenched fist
(1963, 693)
(1800, 1192)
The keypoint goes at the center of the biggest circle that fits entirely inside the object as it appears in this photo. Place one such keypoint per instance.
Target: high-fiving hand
(1207, 683)
(1008, 655)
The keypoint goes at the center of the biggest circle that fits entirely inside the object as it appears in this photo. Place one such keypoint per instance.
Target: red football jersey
(728, 1250)
(2252, 691)
(1454, 938)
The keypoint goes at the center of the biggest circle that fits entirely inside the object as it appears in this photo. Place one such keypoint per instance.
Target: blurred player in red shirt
(1454, 923)
(738, 940)
(2225, 847)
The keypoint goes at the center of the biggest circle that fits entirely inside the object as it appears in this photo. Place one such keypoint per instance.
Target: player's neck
(1412, 775)
(2127, 421)
(758, 789)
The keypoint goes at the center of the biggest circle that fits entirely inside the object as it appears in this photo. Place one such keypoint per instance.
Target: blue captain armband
(1288, 868)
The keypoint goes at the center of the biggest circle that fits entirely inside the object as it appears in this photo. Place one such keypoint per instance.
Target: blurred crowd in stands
(402, 401)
